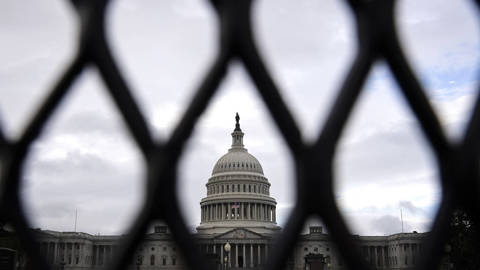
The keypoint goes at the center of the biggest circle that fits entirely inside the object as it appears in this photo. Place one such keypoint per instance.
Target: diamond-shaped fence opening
(458, 163)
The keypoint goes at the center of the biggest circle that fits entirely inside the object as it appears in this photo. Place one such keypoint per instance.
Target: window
(228, 188)
(406, 260)
(315, 249)
(77, 260)
(152, 260)
(223, 189)
(165, 248)
(153, 248)
(160, 229)
(164, 261)
(174, 261)
(305, 249)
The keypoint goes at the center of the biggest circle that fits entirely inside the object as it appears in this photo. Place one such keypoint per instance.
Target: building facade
(237, 210)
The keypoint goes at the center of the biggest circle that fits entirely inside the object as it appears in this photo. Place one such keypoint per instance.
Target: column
(259, 254)
(230, 257)
(221, 255)
(236, 255)
(55, 247)
(241, 211)
(251, 255)
(249, 216)
(275, 214)
(104, 255)
(244, 257)
(229, 211)
(98, 255)
(223, 213)
(214, 248)
(266, 252)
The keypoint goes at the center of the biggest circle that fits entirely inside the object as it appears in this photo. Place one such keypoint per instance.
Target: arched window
(228, 188)
(152, 260)
(244, 188)
(233, 188)
(223, 188)
(249, 188)
(255, 189)
(238, 188)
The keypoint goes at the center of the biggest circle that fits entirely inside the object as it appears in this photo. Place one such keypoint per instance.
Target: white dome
(237, 160)
(238, 194)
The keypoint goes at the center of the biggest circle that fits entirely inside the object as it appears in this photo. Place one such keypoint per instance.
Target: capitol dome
(238, 193)
(237, 160)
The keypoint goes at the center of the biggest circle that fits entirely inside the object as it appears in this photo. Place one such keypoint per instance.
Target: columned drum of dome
(238, 194)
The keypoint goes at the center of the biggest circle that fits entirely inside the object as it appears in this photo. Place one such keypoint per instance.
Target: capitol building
(238, 209)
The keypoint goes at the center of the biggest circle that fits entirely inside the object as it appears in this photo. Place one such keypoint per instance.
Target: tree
(464, 244)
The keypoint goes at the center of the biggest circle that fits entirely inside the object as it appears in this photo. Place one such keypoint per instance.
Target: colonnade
(238, 211)
(232, 188)
(246, 255)
(376, 255)
(102, 254)
(75, 253)
(68, 253)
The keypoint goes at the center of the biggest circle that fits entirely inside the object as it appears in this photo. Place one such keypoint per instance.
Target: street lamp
(227, 248)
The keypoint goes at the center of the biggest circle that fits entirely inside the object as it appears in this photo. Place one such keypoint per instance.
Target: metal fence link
(458, 163)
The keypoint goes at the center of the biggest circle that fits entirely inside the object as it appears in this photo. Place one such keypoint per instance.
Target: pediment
(239, 233)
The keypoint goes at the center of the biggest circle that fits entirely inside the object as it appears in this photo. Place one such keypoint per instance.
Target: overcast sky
(86, 160)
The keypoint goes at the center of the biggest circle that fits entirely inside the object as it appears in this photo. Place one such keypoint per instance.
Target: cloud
(388, 225)
(87, 160)
(411, 207)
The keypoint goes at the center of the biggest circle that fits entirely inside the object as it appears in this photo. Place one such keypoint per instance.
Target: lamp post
(227, 248)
